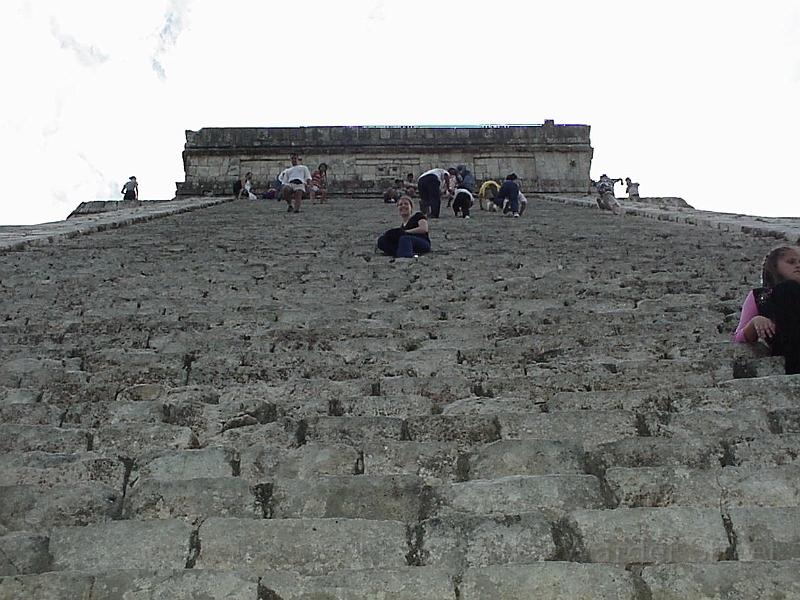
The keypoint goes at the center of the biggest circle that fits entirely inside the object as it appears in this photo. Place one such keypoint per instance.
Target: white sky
(697, 99)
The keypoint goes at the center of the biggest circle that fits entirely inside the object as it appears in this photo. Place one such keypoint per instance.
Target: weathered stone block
(47, 586)
(690, 453)
(468, 431)
(160, 544)
(31, 414)
(709, 423)
(185, 464)
(434, 462)
(766, 533)
(45, 470)
(518, 494)
(409, 583)
(280, 434)
(760, 486)
(25, 507)
(353, 430)
(548, 581)
(191, 499)
(644, 535)
(184, 584)
(393, 497)
(592, 428)
(308, 546)
(766, 450)
(263, 463)
(23, 553)
(785, 420)
(460, 541)
(44, 438)
(132, 439)
(758, 580)
(664, 486)
(526, 457)
(99, 414)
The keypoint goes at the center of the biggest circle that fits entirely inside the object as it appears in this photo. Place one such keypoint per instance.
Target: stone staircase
(240, 403)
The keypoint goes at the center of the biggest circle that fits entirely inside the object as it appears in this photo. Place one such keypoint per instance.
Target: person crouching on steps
(411, 238)
(772, 313)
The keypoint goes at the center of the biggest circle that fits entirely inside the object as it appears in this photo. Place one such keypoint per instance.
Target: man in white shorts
(293, 183)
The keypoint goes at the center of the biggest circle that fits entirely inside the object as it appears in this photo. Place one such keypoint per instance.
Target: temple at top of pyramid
(362, 161)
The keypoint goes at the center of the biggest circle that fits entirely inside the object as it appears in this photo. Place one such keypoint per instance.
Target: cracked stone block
(309, 546)
(392, 497)
(709, 423)
(517, 495)
(159, 544)
(94, 415)
(23, 553)
(645, 535)
(37, 413)
(281, 434)
(548, 581)
(191, 499)
(460, 542)
(133, 439)
(766, 533)
(185, 464)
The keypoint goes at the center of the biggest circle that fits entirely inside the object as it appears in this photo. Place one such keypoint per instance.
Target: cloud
(88, 56)
(176, 19)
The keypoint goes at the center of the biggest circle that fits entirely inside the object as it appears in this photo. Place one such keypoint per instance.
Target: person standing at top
(130, 190)
(430, 186)
(294, 180)
(632, 189)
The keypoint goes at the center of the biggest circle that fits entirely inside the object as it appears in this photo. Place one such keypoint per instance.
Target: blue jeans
(409, 245)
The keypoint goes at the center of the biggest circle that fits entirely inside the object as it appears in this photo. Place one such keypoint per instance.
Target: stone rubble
(241, 403)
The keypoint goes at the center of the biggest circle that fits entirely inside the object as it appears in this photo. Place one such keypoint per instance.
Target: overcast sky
(697, 99)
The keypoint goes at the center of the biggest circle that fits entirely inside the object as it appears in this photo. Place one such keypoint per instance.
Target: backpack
(237, 187)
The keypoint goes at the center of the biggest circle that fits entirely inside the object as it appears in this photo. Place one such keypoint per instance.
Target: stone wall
(548, 158)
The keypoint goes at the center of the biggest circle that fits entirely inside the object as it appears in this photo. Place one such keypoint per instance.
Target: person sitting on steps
(772, 313)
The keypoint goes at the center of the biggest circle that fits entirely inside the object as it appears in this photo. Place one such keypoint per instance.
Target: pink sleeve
(749, 310)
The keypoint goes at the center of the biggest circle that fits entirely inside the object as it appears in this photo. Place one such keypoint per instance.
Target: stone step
(43, 438)
(645, 535)
(635, 487)
(740, 579)
(308, 546)
(28, 508)
(518, 494)
(44, 470)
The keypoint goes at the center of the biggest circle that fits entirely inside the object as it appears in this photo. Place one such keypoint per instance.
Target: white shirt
(300, 172)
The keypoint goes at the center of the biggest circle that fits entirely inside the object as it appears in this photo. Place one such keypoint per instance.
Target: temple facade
(363, 161)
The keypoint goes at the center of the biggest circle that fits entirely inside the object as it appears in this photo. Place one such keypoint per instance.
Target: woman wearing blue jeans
(411, 238)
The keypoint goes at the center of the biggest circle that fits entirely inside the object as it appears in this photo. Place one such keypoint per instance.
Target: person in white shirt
(430, 186)
(293, 183)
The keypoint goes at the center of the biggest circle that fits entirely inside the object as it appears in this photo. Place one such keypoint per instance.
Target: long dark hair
(769, 272)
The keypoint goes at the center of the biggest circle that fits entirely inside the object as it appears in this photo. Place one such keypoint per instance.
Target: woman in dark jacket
(411, 238)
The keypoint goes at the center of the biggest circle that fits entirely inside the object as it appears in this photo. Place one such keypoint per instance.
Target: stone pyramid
(241, 403)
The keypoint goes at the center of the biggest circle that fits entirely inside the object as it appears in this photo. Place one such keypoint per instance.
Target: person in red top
(319, 184)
